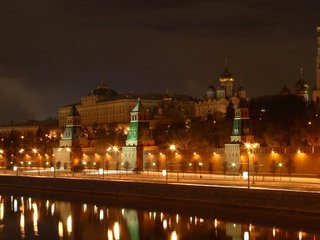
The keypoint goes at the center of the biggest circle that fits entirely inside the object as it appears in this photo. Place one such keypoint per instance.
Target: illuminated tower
(241, 134)
(226, 81)
(69, 154)
(241, 130)
(73, 131)
(139, 139)
(316, 91)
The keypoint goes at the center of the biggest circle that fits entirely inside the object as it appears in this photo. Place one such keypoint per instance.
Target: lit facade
(217, 99)
(104, 106)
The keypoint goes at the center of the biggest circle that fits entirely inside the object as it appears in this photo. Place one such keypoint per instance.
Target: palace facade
(104, 105)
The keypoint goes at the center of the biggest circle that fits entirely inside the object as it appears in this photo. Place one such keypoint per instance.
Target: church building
(216, 100)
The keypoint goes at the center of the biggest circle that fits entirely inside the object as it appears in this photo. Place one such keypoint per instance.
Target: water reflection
(32, 218)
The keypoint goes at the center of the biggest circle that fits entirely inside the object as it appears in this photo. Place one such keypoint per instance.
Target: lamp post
(35, 151)
(172, 148)
(115, 149)
(200, 166)
(233, 168)
(250, 146)
(280, 166)
(68, 149)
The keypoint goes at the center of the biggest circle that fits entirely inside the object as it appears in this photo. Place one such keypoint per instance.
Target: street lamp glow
(116, 230)
(34, 150)
(172, 147)
(250, 146)
(246, 235)
(174, 235)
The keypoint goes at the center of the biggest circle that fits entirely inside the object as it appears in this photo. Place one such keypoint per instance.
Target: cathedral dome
(240, 89)
(226, 76)
(301, 85)
(211, 88)
(211, 92)
(103, 90)
(285, 91)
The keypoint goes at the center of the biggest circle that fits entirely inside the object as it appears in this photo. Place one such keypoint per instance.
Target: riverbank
(195, 195)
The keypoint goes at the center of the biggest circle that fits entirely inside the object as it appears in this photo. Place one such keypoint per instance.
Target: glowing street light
(250, 146)
(280, 165)
(172, 147)
(200, 166)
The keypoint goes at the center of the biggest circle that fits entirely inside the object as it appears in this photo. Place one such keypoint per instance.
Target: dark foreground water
(30, 217)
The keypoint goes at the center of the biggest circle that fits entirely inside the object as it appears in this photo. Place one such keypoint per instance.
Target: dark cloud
(63, 48)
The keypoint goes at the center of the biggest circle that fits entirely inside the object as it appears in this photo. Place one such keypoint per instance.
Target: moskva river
(30, 217)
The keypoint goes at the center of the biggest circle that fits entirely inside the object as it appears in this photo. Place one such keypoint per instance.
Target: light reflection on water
(32, 218)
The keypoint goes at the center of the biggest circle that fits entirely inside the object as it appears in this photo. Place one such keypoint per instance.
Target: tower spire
(301, 73)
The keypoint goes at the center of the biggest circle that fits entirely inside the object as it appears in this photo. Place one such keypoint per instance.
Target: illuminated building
(104, 106)
(301, 88)
(216, 100)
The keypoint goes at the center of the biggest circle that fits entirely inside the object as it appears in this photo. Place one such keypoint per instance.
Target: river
(44, 217)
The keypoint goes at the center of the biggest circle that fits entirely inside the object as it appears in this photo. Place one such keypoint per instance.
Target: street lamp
(172, 147)
(250, 146)
(233, 168)
(200, 166)
(68, 149)
(280, 166)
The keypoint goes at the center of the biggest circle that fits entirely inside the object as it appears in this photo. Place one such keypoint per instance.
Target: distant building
(31, 128)
(301, 88)
(216, 100)
(285, 91)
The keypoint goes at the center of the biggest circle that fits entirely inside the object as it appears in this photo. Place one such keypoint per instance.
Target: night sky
(52, 52)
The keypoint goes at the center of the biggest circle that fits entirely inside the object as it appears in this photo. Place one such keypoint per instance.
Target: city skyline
(55, 52)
